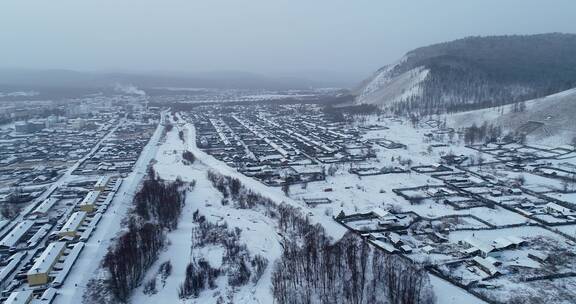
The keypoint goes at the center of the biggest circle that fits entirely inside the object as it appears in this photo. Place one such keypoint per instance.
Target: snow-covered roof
(74, 222)
(482, 246)
(45, 206)
(406, 248)
(11, 266)
(102, 181)
(486, 265)
(14, 236)
(427, 248)
(379, 212)
(387, 247)
(394, 237)
(69, 262)
(307, 169)
(515, 239)
(19, 297)
(559, 208)
(539, 255)
(48, 296)
(47, 259)
(39, 234)
(90, 198)
(502, 242)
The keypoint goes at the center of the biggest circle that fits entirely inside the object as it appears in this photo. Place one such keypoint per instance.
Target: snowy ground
(446, 293)
(555, 112)
(258, 231)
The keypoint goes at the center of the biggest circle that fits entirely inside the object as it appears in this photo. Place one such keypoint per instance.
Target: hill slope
(546, 120)
(474, 72)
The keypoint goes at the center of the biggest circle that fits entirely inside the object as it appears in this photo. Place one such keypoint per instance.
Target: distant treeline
(322, 100)
(338, 113)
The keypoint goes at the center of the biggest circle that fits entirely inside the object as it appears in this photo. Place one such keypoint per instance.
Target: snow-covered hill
(547, 120)
(386, 86)
(474, 72)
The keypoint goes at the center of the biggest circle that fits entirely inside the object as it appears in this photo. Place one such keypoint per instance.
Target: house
(452, 159)
(538, 256)
(495, 193)
(385, 246)
(394, 238)
(47, 296)
(88, 204)
(528, 205)
(44, 207)
(486, 249)
(102, 183)
(10, 267)
(385, 218)
(38, 273)
(20, 297)
(317, 201)
(558, 211)
(427, 249)
(502, 243)
(480, 246)
(406, 249)
(72, 225)
(439, 238)
(380, 213)
(14, 236)
(487, 265)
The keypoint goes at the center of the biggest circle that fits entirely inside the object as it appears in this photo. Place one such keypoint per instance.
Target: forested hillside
(475, 72)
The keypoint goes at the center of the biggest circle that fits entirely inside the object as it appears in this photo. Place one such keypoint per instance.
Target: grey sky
(346, 38)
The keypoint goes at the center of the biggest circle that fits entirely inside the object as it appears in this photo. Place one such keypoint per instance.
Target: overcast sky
(345, 38)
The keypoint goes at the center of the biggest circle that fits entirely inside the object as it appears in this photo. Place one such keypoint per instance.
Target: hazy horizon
(329, 40)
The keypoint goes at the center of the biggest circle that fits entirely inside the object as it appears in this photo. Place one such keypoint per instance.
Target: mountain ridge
(474, 72)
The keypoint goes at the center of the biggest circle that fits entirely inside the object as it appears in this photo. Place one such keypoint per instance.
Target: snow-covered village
(287, 152)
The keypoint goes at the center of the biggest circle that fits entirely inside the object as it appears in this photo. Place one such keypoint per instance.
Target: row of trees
(315, 269)
(158, 205)
(348, 271)
(134, 252)
(232, 188)
(337, 114)
(485, 133)
(159, 201)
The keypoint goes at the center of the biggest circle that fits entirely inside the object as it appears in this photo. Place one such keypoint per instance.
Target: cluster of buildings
(38, 251)
(118, 153)
(61, 165)
(482, 225)
(281, 144)
(36, 152)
